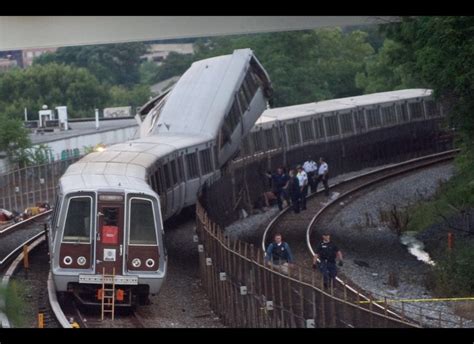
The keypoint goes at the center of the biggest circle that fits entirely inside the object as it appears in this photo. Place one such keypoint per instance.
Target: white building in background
(114, 112)
(30, 54)
(6, 64)
(159, 52)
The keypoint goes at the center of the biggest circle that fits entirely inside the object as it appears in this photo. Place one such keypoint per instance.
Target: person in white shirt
(323, 176)
(311, 168)
(303, 181)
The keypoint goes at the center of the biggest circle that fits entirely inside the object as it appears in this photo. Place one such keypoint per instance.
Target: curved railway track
(15, 236)
(298, 229)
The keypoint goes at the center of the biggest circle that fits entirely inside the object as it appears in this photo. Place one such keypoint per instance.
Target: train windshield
(79, 220)
(142, 222)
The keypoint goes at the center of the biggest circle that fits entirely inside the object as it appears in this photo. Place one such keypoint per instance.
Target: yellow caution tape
(421, 300)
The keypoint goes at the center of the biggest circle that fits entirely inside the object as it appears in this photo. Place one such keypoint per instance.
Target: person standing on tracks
(303, 181)
(279, 185)
(326, 254)
(279, 254)
(294, 191)
(323, 176)
(311, 168)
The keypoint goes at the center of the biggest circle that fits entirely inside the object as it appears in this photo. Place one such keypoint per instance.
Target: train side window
(244, 101)
(181, 168)
(388, 115)
(168, 181)
(192, 164)
(251, 82)
(373, 118)
(293, 131)
(159, 180)
(307, 130)
(318, 124)
(269, 138)
(403, 111)
(142, 222)
(331, 125)
(247, 89)
(359, 119)
(231, 121)
(174, 173)
(346, 123)
(257, 140)
(78, 224)
(206, 163)
(416, 110)
(432, 110)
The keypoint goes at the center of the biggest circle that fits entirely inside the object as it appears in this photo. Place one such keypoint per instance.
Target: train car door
(109, 246)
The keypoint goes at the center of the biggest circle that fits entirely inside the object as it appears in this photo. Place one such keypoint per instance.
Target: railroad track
(68, 312)
(19, 234)
(298, 230)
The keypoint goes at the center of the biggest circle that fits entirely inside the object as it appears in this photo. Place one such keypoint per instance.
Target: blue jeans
(329, 271)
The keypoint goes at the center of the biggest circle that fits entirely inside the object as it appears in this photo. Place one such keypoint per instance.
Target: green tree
(383, 74)
(14, 140)
(114, 64)
(305, 66)
(175, 64)
(135, 96)
(149, 73)
(53, 85)
(39, 155)
(438, 51)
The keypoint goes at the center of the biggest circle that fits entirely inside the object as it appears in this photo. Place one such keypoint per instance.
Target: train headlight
(67, 260)
(136, 263)
(150, 263)
(81, 260)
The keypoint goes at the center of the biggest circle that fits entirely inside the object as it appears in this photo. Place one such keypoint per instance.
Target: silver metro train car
(288, 128)
(110, 207)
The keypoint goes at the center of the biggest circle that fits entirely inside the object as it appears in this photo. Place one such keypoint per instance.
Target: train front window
(78, 223)
(142, 222)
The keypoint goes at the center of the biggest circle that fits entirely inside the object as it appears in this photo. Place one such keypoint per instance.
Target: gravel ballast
(372, 252)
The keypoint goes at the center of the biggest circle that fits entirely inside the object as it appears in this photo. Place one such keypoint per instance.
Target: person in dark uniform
(295, 191)
(279, 185)
(326, 254)
(279, 254)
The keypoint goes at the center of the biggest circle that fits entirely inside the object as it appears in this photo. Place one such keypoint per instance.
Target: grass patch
(451, 196)
(453, 275)
(13, 304)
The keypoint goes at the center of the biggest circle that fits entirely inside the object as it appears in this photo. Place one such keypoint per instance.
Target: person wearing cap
(323, 176)
(303, 181)
(326, 254)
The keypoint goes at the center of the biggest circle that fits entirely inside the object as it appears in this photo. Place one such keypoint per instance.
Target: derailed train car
(110, 207)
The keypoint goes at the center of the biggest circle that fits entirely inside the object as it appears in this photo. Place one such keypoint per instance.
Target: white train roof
(125, 163)
(301, 110)
(202, 96)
